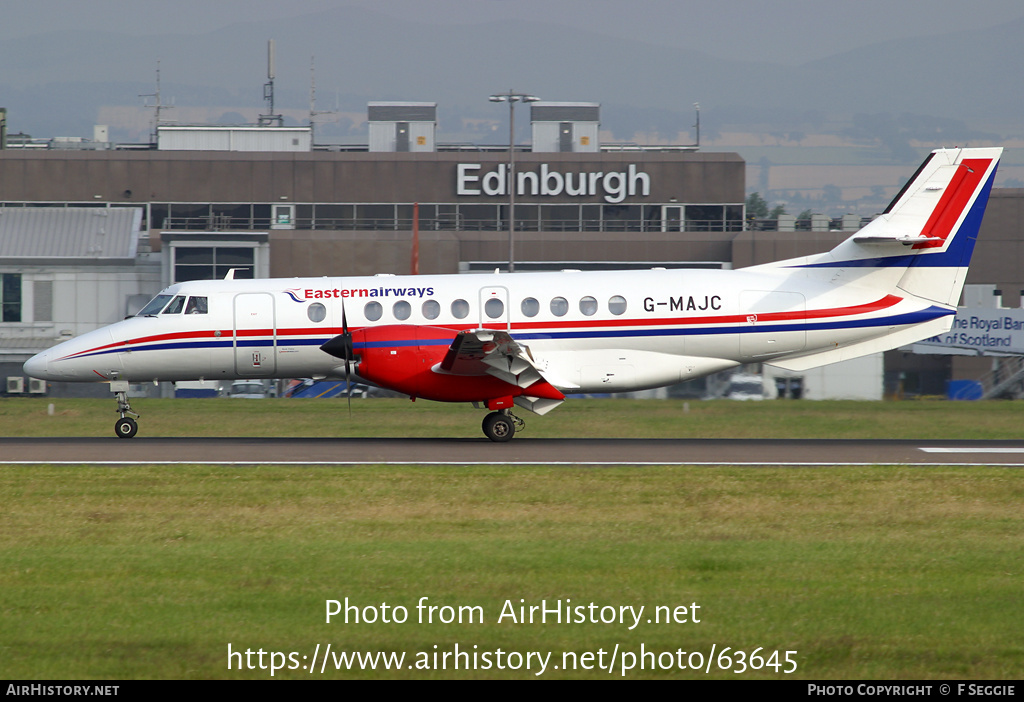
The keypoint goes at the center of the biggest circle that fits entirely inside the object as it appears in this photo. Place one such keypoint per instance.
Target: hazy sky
(780, 31)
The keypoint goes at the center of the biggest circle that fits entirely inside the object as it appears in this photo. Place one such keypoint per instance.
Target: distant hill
(56, 83)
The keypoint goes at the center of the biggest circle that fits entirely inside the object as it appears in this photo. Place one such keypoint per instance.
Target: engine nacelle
(406, 358)
(397, 356)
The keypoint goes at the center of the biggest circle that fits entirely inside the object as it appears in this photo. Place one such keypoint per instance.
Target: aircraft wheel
(499, 427)
(126, 428)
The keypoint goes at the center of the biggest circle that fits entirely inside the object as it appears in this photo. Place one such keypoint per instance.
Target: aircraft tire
(499, 427)
(126, 428)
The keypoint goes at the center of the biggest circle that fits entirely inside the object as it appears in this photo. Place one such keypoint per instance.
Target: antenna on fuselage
(230, 275)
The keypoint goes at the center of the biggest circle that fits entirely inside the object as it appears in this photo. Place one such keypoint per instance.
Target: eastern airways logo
(306, 294)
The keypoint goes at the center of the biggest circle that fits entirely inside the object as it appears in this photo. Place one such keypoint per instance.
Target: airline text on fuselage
(303, 294)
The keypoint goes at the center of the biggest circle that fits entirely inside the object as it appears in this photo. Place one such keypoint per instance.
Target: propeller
(347, 337)
(341, 347)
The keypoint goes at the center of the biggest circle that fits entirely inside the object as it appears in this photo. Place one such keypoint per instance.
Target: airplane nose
(38, 366)
(73, 361)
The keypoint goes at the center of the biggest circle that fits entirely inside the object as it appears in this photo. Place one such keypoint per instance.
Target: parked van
(745, 386)
(248, 389)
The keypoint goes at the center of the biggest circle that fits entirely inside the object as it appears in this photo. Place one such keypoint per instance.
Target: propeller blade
(348, 356)
(341, 347)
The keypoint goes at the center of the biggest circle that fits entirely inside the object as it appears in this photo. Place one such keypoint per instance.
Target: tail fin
(937, 215)
(921, 245)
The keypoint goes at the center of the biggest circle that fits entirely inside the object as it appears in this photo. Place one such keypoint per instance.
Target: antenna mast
(157, 105)
(313, 113)
(270, 119)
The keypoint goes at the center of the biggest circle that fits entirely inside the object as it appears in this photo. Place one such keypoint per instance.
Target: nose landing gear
(125, 427)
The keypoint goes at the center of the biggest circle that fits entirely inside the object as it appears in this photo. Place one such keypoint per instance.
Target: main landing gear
(502, 425)
(125, 427)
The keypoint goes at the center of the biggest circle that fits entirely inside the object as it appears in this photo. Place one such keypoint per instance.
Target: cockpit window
(196, 305)
(155, 305)
(177, 304)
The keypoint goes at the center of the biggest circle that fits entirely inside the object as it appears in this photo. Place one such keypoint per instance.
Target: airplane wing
(496, 353)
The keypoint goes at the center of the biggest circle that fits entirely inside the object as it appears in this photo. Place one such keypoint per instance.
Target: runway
(520, 451)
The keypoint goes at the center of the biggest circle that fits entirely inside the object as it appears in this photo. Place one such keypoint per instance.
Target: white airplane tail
(921, 245)
(919, 248)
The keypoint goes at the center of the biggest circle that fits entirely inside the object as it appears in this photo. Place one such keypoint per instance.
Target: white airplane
(527, 338)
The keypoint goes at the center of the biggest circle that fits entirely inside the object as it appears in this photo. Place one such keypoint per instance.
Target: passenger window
(460, 309)
(617, 305)
(530, 307)
(588, 306)
(431, 309)
(494, 308)
(559, 306)
(373, 311)
(196, 305)
(402, 310)
(177, 304)
(316, 312)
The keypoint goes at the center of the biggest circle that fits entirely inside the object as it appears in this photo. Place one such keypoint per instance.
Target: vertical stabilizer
(921, 245)
(939, 267)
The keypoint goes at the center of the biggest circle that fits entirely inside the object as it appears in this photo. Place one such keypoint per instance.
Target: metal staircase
(1006, 379)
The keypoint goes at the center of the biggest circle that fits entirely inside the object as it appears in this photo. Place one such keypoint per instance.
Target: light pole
(512, 97)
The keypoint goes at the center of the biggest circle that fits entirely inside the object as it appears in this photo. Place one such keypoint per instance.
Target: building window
(560, 218)
(189, 215)
(332, 216)
(375, 217)
(479, 218)
(10, 297)
(622, 218)
(705, 218)
(212, 262)
(734, 218)
(228, 216)
(42, 301)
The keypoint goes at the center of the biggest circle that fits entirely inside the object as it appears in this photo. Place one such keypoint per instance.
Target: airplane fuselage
(587, 332)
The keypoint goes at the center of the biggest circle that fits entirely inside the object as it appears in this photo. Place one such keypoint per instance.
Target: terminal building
(268, 202)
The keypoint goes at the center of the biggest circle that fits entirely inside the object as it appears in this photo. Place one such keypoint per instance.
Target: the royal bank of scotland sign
(983, 331)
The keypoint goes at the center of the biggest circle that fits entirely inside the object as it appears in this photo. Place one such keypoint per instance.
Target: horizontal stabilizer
(905, 239)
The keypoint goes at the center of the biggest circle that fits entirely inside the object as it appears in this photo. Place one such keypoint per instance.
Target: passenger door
(255, 335)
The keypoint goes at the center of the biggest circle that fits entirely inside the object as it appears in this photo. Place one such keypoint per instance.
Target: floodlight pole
(512, 97)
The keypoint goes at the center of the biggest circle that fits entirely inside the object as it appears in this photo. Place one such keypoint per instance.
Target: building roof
(69, 234)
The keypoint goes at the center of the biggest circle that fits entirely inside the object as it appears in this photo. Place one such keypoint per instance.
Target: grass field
(866, 573)
(923, 420)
